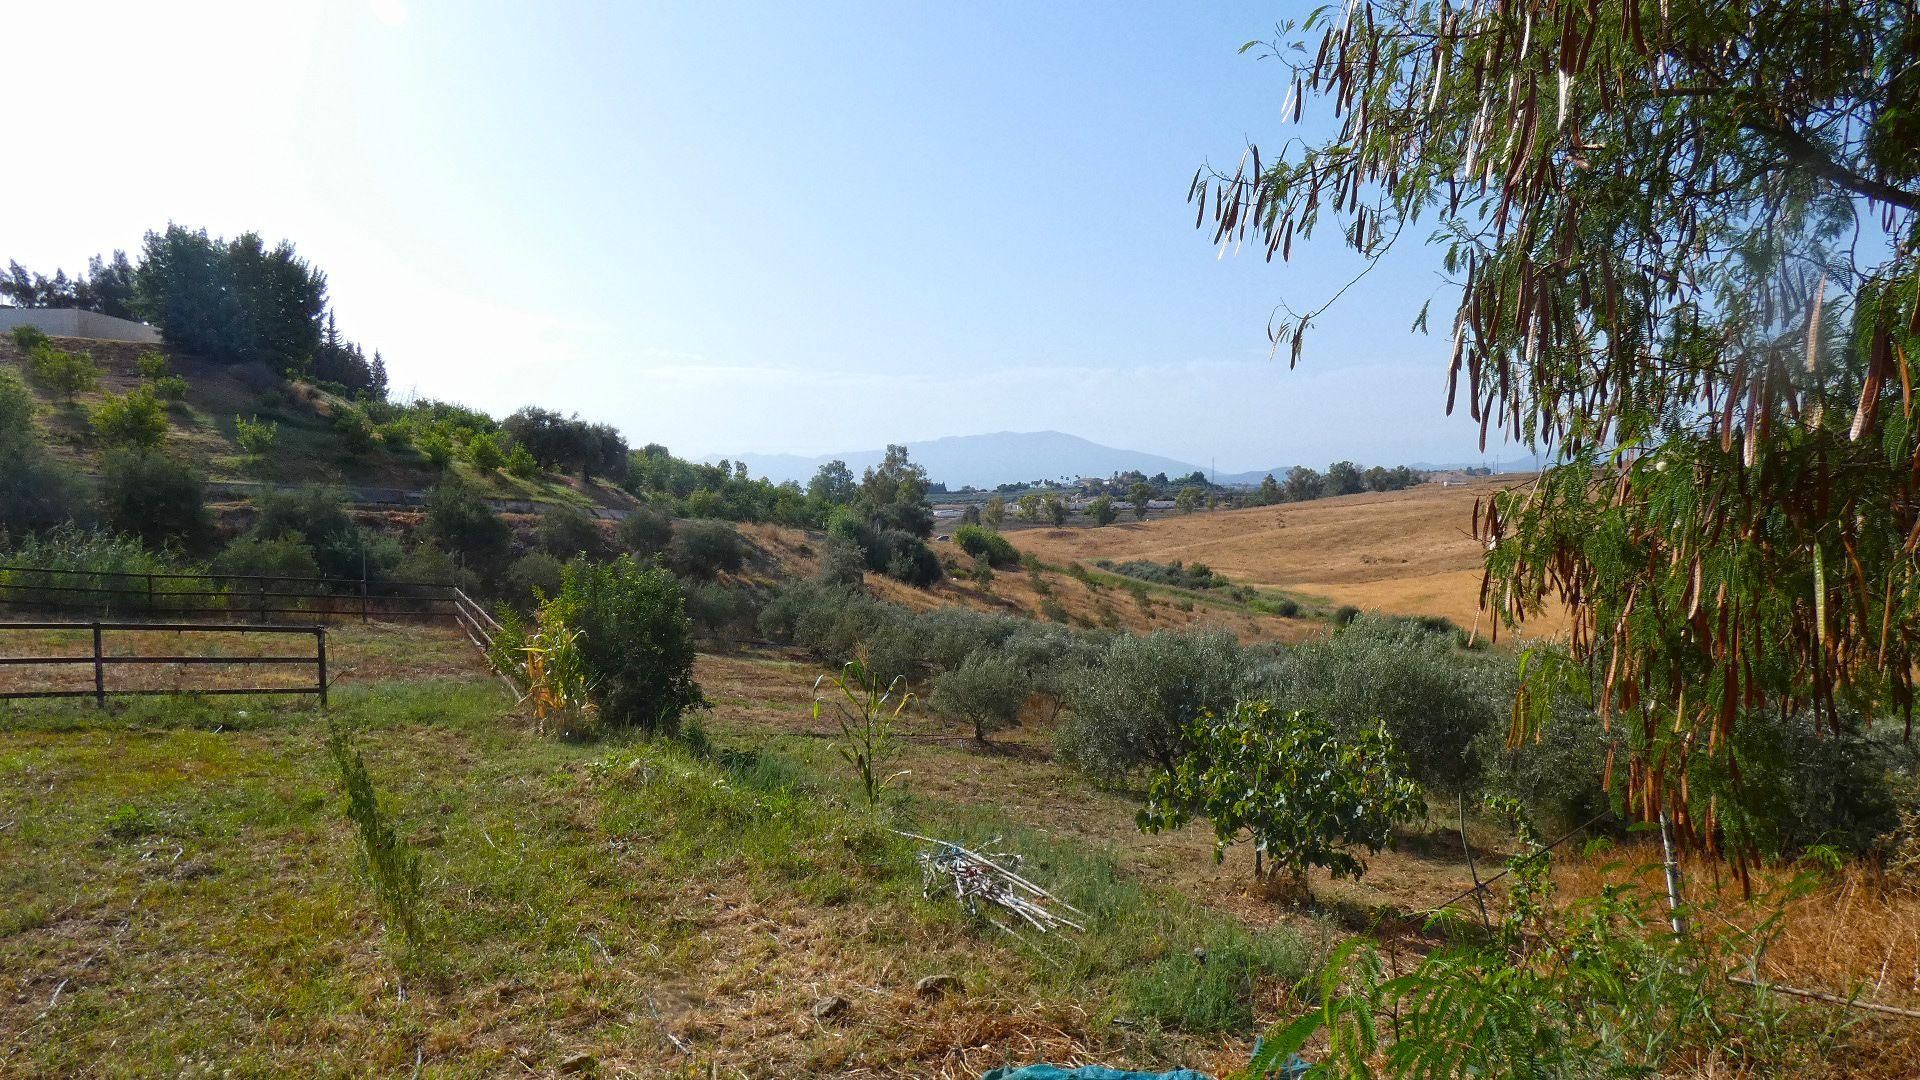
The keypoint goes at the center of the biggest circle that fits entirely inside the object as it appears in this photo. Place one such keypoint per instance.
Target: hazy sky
(731, 228)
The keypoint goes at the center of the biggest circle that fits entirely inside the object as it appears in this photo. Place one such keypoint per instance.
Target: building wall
(73, 322)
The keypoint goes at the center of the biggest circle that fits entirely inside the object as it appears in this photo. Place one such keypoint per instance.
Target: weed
(391, 864)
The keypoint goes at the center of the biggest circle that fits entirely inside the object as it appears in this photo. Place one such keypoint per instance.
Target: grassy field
(1403, 552)
(187, 897)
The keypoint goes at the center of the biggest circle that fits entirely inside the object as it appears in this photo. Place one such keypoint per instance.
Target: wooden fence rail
(101, 660)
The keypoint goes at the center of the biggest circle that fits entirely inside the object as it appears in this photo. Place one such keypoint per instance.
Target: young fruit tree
(1682, 244)
(1300, 791)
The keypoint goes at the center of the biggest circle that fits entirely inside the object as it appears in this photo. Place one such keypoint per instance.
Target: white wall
(73, 322)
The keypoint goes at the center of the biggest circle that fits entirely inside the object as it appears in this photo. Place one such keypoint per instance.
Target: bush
(356, 430)
(705, 548)
(521, 464)
(717, 612)
(1196, 576)
(318, 516)
(985, 690)
(35, 492)
(170, 388)
(531, 579)
(27, 338)
(638, 643)
(1434, 701)
(133, 419)
(483, 451)
(1345, 614)
(1133, 707)
(116, 567)
(842, 564)
(460, 521)
(65, 373)
(912, 561)
(254, 436)
(567, 531)
(646, 531)
(253, 556)
(154, 497)
(985, 543)
(438, 451)
(1301, 791)
(151, 365)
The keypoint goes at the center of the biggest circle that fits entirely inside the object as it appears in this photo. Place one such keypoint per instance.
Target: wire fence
(126, 593)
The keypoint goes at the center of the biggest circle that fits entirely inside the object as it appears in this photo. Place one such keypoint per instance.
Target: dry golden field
(1402, 552)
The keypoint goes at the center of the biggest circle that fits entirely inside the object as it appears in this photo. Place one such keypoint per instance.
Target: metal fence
(111, 592)
(100, 660)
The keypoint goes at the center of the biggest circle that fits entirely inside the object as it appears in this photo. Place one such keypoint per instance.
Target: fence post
(99, 671)
(320, 660)
(149, 594)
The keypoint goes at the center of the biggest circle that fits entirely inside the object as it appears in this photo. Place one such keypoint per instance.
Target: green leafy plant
(27, 338)
(65, 373)
(254, 435)
(483, 451)
(638, 643)
(986, 690)
(170, 388)
(559, 681)
(1302, 792)
(151, 365)
(981, 542)
(134, 419)
(391, 865)
(867, 711)
(521, 464)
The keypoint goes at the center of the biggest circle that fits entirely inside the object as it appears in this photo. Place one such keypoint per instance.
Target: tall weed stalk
(390, 863)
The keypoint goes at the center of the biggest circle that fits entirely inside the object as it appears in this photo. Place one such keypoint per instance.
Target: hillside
(1403, 552)
(310, 448)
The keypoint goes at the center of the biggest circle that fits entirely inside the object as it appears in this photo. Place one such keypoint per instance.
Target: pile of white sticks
(982, 884)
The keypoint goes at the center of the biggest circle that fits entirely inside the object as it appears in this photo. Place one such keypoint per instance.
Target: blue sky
(732, 227)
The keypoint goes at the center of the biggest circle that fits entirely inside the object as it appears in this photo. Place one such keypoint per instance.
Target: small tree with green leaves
(254, 435)
(986, 690)
(1030, 506)
(995, 511)
(1141, 496)
(1302, 792)
(1103, 511)
(151, 365)
(867, 712)
(483, 451)
(134, 419)
(27, 338)
(521, 464)
(1188, 500)
(1056, 508)
(65, 373)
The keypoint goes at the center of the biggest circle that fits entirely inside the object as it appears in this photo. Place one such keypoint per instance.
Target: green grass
(184, 892)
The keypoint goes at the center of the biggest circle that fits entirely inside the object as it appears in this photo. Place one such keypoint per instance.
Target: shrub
(154, 497)
(133, 419)
(151, 365)
(705, 548)
(1196, 576)
(646, 531)
(65, 373)
(27, 338)
(255, 436)
(842, 564)
(912, 561)
(35, 492)
(985, 543)
(356, 430)
(283, 557)
(460, 521)
(717, 612)
(1054, 611)
(521, 464)
(531, 579)
(1303, 792)
(170, 388)
(115, 566)
(1103, 510)
(638, 644)
(438, 451)
(567, 531)
(1345, 614)
(1434, 701)
(985, 690)
(318, 516)
(483, 451)
(1134, 706)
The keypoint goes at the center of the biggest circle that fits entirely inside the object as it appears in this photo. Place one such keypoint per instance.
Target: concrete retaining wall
(73, 322)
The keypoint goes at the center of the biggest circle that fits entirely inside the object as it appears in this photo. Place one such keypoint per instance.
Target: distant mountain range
(1008, 457)
(983, 461)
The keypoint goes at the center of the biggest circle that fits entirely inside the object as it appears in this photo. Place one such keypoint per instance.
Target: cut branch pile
(981, 884)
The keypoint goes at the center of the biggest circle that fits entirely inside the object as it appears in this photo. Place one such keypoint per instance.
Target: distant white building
(76, 323)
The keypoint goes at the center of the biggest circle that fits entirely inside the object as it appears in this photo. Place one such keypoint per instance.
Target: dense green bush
(842, 563)
(705, 548)
(646, 531)
(27, 338)
(1133, 707)
(483, 451)
(985, 690)
(567, 531)
(35, 492)
(284, 557)
(134, 419)
(65, 373)
(1176, 574)
(982, 542)
(318, 516)
(114, 569)
(460, 521)
(637, 643)
(532, 578)
(170, 388)
(154, 497)
(719, 613)
(1434, 701)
